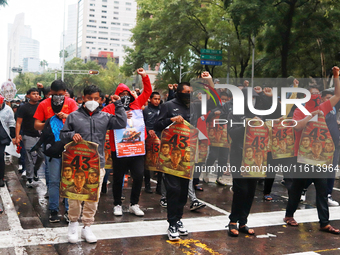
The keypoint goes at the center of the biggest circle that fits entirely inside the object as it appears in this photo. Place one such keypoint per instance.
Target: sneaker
(196, 205)
(36, 177)
(54, 217)
(181, 230)
(148, 189)
(303, 196)
(72, 235)
(87, 234)
(47, 195)
(19, 167)
(222, 182)
(332, 202)
(23, 174)
(173, 233)
(117, 210)
(2, 183)
(122, 198)
(136, 210)
(29, 183)
(163, 202)
(66, 217)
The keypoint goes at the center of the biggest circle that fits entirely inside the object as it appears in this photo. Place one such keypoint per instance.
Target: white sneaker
(182, 231)
(173, 233)
(117, 210)
(20, 167)
(72, 236)
(136, 210)
(332, 202)
(23, 174)
(86, 233)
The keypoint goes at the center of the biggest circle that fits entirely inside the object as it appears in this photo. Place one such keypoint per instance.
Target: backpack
(52, 146)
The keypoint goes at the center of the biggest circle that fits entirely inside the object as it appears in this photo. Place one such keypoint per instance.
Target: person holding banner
(315, 107)
(176, 110)
(126, 162)
(244, 187)
(90, 124)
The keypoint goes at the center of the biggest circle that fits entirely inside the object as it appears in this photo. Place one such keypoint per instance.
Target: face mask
(58, 100)
(314, 102)
(184, 97)
(91, 105)
(223, 103)
(126, 101)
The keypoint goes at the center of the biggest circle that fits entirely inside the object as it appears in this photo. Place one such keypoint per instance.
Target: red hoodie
(135, 105)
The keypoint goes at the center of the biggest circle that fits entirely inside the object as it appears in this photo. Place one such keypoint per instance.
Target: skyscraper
(20, 44)
(104, 26)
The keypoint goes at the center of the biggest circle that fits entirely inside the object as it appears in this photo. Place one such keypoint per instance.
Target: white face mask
(91, 105)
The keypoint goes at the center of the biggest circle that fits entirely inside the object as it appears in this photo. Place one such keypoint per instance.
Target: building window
(92, 5)
(116, 7)
(104, 11)
(111, 49)
(89, 42)
(100, 32)
(99, 48)
(91, 15)
(91, 10)
(93, 48)
(114, 39)
(125, 29)
(102, 38)
(104, 6)
(115, 34)
(104, 17)
(127, 3)
(128, 9)
(114, 44)
(116, 13)
(94, 21)
(127, 25)
(91, 31)
(91, 26)
(115, 17)
(87, 47)
(103, 27)
(116, 2)
(115, 23)
(103, 22)
(105, 48)
(115, 28)
(93, 37)
(104, 1)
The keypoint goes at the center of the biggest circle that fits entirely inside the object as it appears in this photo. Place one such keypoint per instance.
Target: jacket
(171, 109)
(137, 104)
(7, 120)
(150, 114)
(93, 128)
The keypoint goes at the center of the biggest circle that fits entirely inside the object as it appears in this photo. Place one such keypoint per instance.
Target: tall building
(104, 26)
(20, 45)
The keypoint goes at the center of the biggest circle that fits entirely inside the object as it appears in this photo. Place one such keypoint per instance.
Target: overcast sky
(46, 20)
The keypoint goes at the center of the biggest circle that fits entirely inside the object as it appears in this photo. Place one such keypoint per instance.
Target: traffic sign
(207, 51)
(211, 57)
(211, 63)
(16, 69)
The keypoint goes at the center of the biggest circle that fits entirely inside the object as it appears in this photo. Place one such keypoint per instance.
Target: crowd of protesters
(54, 109)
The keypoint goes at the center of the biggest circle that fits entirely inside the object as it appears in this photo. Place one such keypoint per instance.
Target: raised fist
(141, 72)
(335, 72)
(206, 75)
(170, 86)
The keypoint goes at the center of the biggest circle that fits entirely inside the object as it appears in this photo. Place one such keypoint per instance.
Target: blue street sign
(211, 63)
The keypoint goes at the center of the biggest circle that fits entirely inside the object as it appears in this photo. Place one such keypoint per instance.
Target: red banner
(80, 171)
(107, 150)
(316, 145)
(202, 150)
(152, 153)
(282, 140)
(218, 135)
(178, 150)
(255, 148)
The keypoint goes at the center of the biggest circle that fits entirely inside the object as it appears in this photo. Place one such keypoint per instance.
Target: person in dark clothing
(176, 110)
(243, 188)
(30, 136)
(7, 134)
(150, 114)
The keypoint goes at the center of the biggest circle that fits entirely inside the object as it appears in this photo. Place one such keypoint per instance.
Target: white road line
(42, 236)
(214, 207)
(336, 189)
(9, 209)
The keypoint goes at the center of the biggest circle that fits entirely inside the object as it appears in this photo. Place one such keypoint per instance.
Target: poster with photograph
(179, 145)
(130, 141)
(316, 145)
(202, 150)
(255, 146)
(282, 140)
(218, 135)
(152, 145)
(80, 171)
(107, 151)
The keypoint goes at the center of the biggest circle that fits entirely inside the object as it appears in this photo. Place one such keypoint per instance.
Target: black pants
(320, 185)
(220, 154)
(120, 166)
(147, 177)
(2, 161)
(176, 196)
(244, 192)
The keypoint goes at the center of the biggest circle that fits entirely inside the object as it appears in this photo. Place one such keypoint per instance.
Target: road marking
(186, 247)
(214, 207)
(9, 209)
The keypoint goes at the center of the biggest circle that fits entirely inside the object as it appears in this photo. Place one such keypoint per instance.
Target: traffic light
(93, 72)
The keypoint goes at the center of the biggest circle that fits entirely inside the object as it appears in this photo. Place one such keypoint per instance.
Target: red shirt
(325, 107)
(135, 105)
(45, 111)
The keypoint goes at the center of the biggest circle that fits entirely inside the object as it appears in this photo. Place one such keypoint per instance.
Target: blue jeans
(47, 177)
(54, 168)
